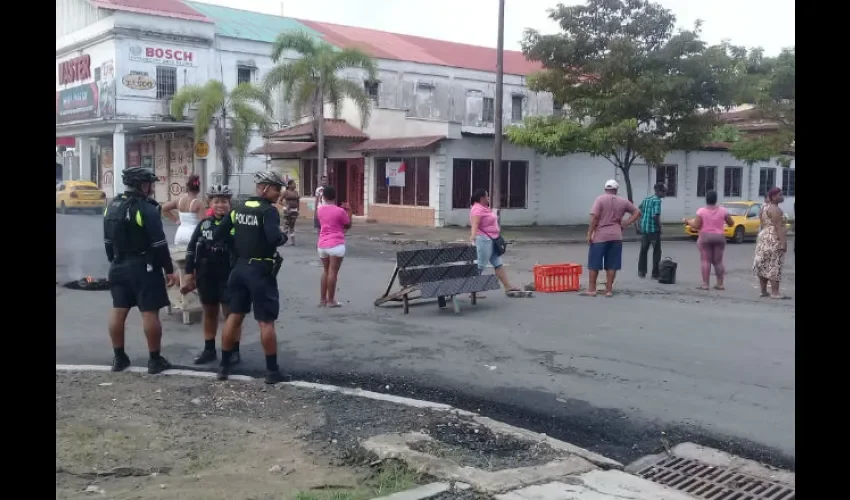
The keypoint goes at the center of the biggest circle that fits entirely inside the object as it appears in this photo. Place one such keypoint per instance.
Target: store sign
(139, 80)
(77, 103)
(160, 55)
(75, 70)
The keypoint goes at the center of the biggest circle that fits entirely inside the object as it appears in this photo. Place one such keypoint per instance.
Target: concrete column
(211, 164)
(84, 150)
(119, 159)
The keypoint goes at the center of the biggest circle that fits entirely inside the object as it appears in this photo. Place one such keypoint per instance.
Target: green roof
(247, 25)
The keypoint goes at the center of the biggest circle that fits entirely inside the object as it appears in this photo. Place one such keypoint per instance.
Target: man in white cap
(605, 236)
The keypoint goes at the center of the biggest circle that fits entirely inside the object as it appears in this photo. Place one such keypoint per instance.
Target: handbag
(500, 246)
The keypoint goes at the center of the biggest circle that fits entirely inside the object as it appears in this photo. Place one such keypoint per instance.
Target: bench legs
(405, 303)
(474, 299)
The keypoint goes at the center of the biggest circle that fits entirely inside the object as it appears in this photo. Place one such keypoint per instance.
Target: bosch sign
(158, 55)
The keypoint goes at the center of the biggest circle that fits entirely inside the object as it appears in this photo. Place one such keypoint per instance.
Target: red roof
(283, 148)
(334, 129)
(384, 45)
(164, 8)
(397, 143)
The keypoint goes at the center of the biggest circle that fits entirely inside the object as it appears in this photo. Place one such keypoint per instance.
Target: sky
(753, 23)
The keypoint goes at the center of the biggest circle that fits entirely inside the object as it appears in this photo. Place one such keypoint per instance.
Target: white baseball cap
(612, 184)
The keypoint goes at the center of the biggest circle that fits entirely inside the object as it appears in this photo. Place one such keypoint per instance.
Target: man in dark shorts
(255, 230)
(208, 266)
(138, 253)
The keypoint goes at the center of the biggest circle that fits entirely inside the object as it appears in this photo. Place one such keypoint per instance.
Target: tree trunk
(319, 118)
(626, 169)
(223, 152)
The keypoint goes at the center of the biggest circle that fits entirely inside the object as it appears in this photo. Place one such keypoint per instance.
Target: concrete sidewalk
(517, 235)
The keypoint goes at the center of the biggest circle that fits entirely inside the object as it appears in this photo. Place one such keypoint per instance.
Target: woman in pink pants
(710, 222)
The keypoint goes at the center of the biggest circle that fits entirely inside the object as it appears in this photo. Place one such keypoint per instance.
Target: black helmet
(268, 177)
(136, 176)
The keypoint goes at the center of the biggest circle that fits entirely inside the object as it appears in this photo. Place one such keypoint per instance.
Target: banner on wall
(107, 178)
(396, 173)
(138, 83)
(77, 103)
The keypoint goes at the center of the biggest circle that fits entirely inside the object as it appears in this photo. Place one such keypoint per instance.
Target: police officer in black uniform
(138, 253)
(255, 229)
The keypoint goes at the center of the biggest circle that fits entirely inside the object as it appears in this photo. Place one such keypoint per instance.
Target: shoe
(120, 363)
(641, 275)
(223, 372)
(158, 365)
(275, 377)
(235, 358)
(206, 356)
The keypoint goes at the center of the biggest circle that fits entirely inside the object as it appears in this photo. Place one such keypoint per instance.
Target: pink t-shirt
(609, 210)
(332, 220)
(488, 225)
(713, 219)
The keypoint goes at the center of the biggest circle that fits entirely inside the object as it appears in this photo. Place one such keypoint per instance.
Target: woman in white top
(190, 211)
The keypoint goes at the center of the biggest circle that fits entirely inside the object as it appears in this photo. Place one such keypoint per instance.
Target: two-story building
(427, 146)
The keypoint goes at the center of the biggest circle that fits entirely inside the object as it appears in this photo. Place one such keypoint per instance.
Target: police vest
(123, 225)
(249, 237)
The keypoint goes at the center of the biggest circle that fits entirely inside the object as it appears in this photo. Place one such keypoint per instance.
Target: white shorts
(337, 251)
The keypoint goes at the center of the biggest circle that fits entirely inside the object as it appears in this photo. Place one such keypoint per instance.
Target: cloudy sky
(765, 23)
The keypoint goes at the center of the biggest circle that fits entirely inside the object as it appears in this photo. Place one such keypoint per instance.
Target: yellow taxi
(79, 196)
(745, 215)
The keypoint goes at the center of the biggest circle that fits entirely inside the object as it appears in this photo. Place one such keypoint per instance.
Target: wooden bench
(441, 273)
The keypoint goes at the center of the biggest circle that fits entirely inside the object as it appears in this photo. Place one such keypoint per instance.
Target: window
(516, 108)
(371, 87)
(166, 81)
(488, 111)
(309, 171)
(754, 211)
(557, 108)
(732, 177)
(424, 94)
(471, 175)
(97, 74)
(706, 180)
(666, 174)
(767, 179)
(244, 74)
(417, 179)
(789, 181)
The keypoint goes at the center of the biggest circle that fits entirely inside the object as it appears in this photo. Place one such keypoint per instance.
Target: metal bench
(441, 273)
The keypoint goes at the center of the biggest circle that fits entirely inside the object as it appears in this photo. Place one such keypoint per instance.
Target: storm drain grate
(713, 483)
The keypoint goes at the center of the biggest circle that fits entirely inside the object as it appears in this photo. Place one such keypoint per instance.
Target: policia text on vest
(138, 253)
(255, 230)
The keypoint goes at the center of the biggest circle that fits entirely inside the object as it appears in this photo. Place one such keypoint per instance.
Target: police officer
(208, 263)
(138, 253)
(255, 229)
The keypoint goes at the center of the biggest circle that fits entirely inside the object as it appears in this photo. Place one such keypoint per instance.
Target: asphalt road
(654, 365)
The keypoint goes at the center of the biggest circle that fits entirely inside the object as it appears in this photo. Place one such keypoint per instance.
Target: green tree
(631, 85)
(769, 85)
(236, 113)
(315, 79)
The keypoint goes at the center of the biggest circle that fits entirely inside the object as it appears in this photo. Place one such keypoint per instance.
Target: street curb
(494, 425)
(515, 242)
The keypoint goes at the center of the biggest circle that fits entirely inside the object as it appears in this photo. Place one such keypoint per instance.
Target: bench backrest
(436, 264)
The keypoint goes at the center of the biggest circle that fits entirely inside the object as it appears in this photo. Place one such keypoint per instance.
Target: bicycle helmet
(136, 176)
(219, 190)
(268, 177)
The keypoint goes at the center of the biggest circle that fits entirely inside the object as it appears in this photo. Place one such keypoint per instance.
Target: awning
(397, 143)
(68, 142)
(283, 148)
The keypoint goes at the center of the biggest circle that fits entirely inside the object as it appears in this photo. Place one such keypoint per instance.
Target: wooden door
(356, 177)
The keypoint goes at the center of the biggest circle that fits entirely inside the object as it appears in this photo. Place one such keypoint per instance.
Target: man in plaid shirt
(650, 229)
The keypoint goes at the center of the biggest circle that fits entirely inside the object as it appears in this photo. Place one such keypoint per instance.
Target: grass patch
(389, 477)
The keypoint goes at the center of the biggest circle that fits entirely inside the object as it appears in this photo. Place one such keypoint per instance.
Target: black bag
(667, 271)
(500, 246)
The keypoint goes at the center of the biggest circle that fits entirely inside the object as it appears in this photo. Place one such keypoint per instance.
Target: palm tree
(236, 111)
(314, 79)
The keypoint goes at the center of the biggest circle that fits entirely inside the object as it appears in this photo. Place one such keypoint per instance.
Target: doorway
(347, 177)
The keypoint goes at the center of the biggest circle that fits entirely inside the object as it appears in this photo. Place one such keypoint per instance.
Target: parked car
(745, 215)
(79, 196)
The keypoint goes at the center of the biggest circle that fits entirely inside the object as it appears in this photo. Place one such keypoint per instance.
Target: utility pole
(496, 194)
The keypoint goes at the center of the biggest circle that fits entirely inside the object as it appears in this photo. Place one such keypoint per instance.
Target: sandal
(588, 294)
(516, 292)
(333, 304)
(322, 304)
(780, 297)
(609, 294)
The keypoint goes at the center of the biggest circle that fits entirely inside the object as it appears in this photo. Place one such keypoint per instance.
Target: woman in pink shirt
(333, 222)
(485, 228)
(710, 222)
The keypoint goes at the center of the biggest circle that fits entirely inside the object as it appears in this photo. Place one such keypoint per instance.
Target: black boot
(206, 356)
(275, 377)
(120, 363)
(158, 365)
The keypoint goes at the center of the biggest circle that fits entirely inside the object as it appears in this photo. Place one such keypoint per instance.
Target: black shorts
(252, 285)
(212, 283)
(132, 285)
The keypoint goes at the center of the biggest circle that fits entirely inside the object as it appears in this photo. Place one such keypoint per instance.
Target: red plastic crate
(551, 278)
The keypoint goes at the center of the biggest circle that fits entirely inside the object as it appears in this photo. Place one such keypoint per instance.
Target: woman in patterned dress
(771, 246)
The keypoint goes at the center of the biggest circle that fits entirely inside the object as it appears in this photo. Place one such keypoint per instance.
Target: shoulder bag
(500, 246)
